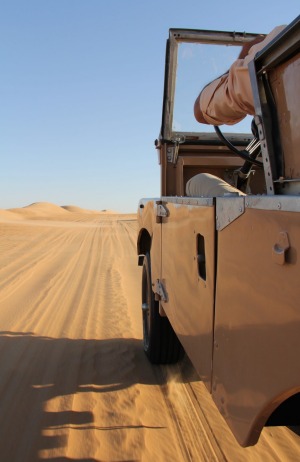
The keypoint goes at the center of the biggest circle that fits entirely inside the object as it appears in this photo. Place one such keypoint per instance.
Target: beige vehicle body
(225, 270)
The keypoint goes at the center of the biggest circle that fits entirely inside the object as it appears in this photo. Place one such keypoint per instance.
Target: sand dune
(40, 208)
(74, 382)
(45, 211)
(47, 208)
(10, 215)
(74, 208)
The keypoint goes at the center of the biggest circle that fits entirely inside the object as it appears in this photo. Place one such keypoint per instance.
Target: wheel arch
(283, 410)
(144, 242)
(286, 411)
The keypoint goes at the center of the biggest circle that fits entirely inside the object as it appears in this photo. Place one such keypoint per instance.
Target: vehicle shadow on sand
(36, 370)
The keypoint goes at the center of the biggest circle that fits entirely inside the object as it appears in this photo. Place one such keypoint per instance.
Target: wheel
(161, 344)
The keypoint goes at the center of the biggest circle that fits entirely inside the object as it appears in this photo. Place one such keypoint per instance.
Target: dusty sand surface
(75, 384)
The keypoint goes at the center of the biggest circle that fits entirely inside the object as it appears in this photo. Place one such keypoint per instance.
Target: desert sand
(75, 384)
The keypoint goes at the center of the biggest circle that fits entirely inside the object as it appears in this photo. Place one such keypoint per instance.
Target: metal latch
(172, 152)
(160, 291)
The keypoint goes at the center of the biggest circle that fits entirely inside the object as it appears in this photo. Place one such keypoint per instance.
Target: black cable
(242, 154)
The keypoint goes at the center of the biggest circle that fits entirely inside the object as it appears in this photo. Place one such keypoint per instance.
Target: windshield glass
(197, 65)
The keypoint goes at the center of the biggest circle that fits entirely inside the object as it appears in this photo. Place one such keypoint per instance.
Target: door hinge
(160, 291)
(161, 212)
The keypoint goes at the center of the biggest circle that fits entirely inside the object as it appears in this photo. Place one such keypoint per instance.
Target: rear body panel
(257, 318)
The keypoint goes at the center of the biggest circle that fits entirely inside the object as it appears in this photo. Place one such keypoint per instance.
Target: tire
(161, 344)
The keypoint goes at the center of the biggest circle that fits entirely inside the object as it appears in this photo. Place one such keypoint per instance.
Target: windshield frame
(177, 37)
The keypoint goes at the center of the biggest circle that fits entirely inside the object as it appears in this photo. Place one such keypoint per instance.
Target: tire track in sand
(74, 382)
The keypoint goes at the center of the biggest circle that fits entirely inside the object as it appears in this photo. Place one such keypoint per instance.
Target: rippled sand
(75, 383)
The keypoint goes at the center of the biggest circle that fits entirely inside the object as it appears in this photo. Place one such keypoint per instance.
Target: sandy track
(74, 382)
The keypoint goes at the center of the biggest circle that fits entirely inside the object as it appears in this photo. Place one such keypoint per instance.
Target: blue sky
(81, 87)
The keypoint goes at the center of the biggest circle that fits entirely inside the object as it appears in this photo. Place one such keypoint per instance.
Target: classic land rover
(220, 276)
